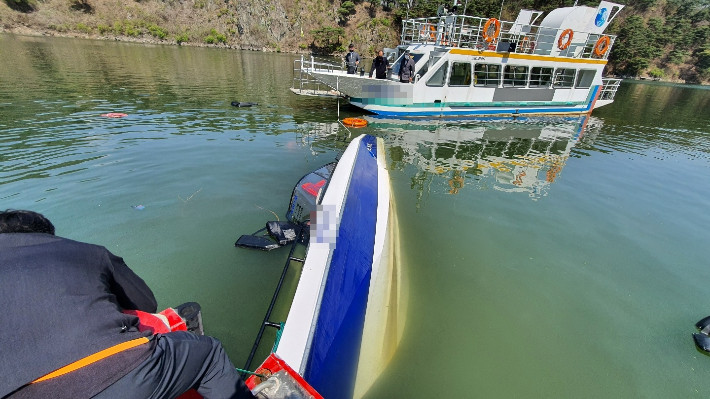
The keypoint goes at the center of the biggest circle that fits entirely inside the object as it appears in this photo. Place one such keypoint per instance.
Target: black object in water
(240, 104)
(702, 339)
(704, 325)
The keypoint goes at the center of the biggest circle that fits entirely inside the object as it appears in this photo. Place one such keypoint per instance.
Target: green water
(545, 258)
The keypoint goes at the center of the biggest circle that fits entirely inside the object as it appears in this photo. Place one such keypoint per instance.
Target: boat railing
(609, 88)
(304, 83)
(468, 32)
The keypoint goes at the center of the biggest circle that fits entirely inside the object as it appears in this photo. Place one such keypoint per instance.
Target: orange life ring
(602, 46)
(114, 115)
(429, 33)
(487, 27)
(354, 122)
(569, 33)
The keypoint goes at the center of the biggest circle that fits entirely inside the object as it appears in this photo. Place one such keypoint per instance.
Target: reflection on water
(511, 156)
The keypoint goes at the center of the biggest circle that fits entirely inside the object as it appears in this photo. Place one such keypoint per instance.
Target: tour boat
(469, 67)
(346, 317)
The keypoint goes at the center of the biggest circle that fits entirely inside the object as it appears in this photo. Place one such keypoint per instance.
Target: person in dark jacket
(352, 59)
(64, 333)
(380, 65)
(406, 68)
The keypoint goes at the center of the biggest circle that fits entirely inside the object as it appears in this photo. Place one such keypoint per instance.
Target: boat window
(564, 77)
(439, 77)
(585, 78)
(540, 77)
(398, 64)
(515, 76)
(460, 74)
(486, 75)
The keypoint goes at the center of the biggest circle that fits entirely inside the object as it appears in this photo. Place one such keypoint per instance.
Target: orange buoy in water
(114, 115)
(354, 122)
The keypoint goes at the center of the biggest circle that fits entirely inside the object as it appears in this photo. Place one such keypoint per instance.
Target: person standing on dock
(352, 59)
(406, 68)
(64, 333)
(380, 65)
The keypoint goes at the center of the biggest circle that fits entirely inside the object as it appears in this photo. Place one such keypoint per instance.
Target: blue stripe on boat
(332, 362)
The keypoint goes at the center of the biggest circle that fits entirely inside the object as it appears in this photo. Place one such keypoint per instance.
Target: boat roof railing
(464, 31)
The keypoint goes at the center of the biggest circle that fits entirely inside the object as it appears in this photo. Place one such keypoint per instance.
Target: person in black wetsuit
(63, 302)
(380, 65)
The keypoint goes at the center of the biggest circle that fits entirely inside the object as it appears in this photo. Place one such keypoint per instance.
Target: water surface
(545, 258)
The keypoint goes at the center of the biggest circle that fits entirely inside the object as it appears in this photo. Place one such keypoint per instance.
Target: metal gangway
(305, 84)
(609, 88)
(515, 37)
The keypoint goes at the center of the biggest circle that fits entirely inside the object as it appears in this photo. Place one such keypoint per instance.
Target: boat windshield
(398, 64)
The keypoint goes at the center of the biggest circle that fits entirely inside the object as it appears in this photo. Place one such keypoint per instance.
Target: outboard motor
(307, 193)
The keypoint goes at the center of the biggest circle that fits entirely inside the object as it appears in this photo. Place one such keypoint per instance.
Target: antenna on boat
(464, 7)
(500, 14)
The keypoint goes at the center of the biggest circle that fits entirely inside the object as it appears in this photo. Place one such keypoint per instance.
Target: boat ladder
(305, 84)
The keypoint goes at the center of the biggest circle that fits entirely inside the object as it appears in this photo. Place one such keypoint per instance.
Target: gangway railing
(304, 83)
(468, 32)
(609, 88)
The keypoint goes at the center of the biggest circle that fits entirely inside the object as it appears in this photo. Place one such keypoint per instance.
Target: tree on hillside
(327, 38)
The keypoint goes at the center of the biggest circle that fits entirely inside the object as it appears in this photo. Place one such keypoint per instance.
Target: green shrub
(83, 28)
(215, 37)
(656, 73)
(118, 28)
(303, 46)
(103, 28)
(130, 30)
(328, 38)
(157, 31)
(182, 38)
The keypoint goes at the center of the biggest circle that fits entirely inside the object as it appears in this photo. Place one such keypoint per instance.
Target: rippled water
(545, 258)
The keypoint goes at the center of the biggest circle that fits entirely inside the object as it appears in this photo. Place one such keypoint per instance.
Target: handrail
(467, 32)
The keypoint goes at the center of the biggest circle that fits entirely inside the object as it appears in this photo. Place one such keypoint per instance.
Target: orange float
(428, 32)
(354, 122)
(602, 46)
(114, 115)
(564, 44)
(490, 37)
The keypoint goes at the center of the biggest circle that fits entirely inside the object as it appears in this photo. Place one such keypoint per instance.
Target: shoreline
(33, 32)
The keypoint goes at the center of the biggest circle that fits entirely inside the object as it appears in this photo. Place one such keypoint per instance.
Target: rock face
(261, 23)
(269, 25)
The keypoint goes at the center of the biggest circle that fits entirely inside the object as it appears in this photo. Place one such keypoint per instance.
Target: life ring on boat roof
(428, 32)
(602, 46)
(354, 122)
(569, 34)
(489, 37)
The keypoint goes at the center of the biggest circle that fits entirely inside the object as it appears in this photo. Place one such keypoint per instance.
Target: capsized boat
(472, 67)
(346, 316)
